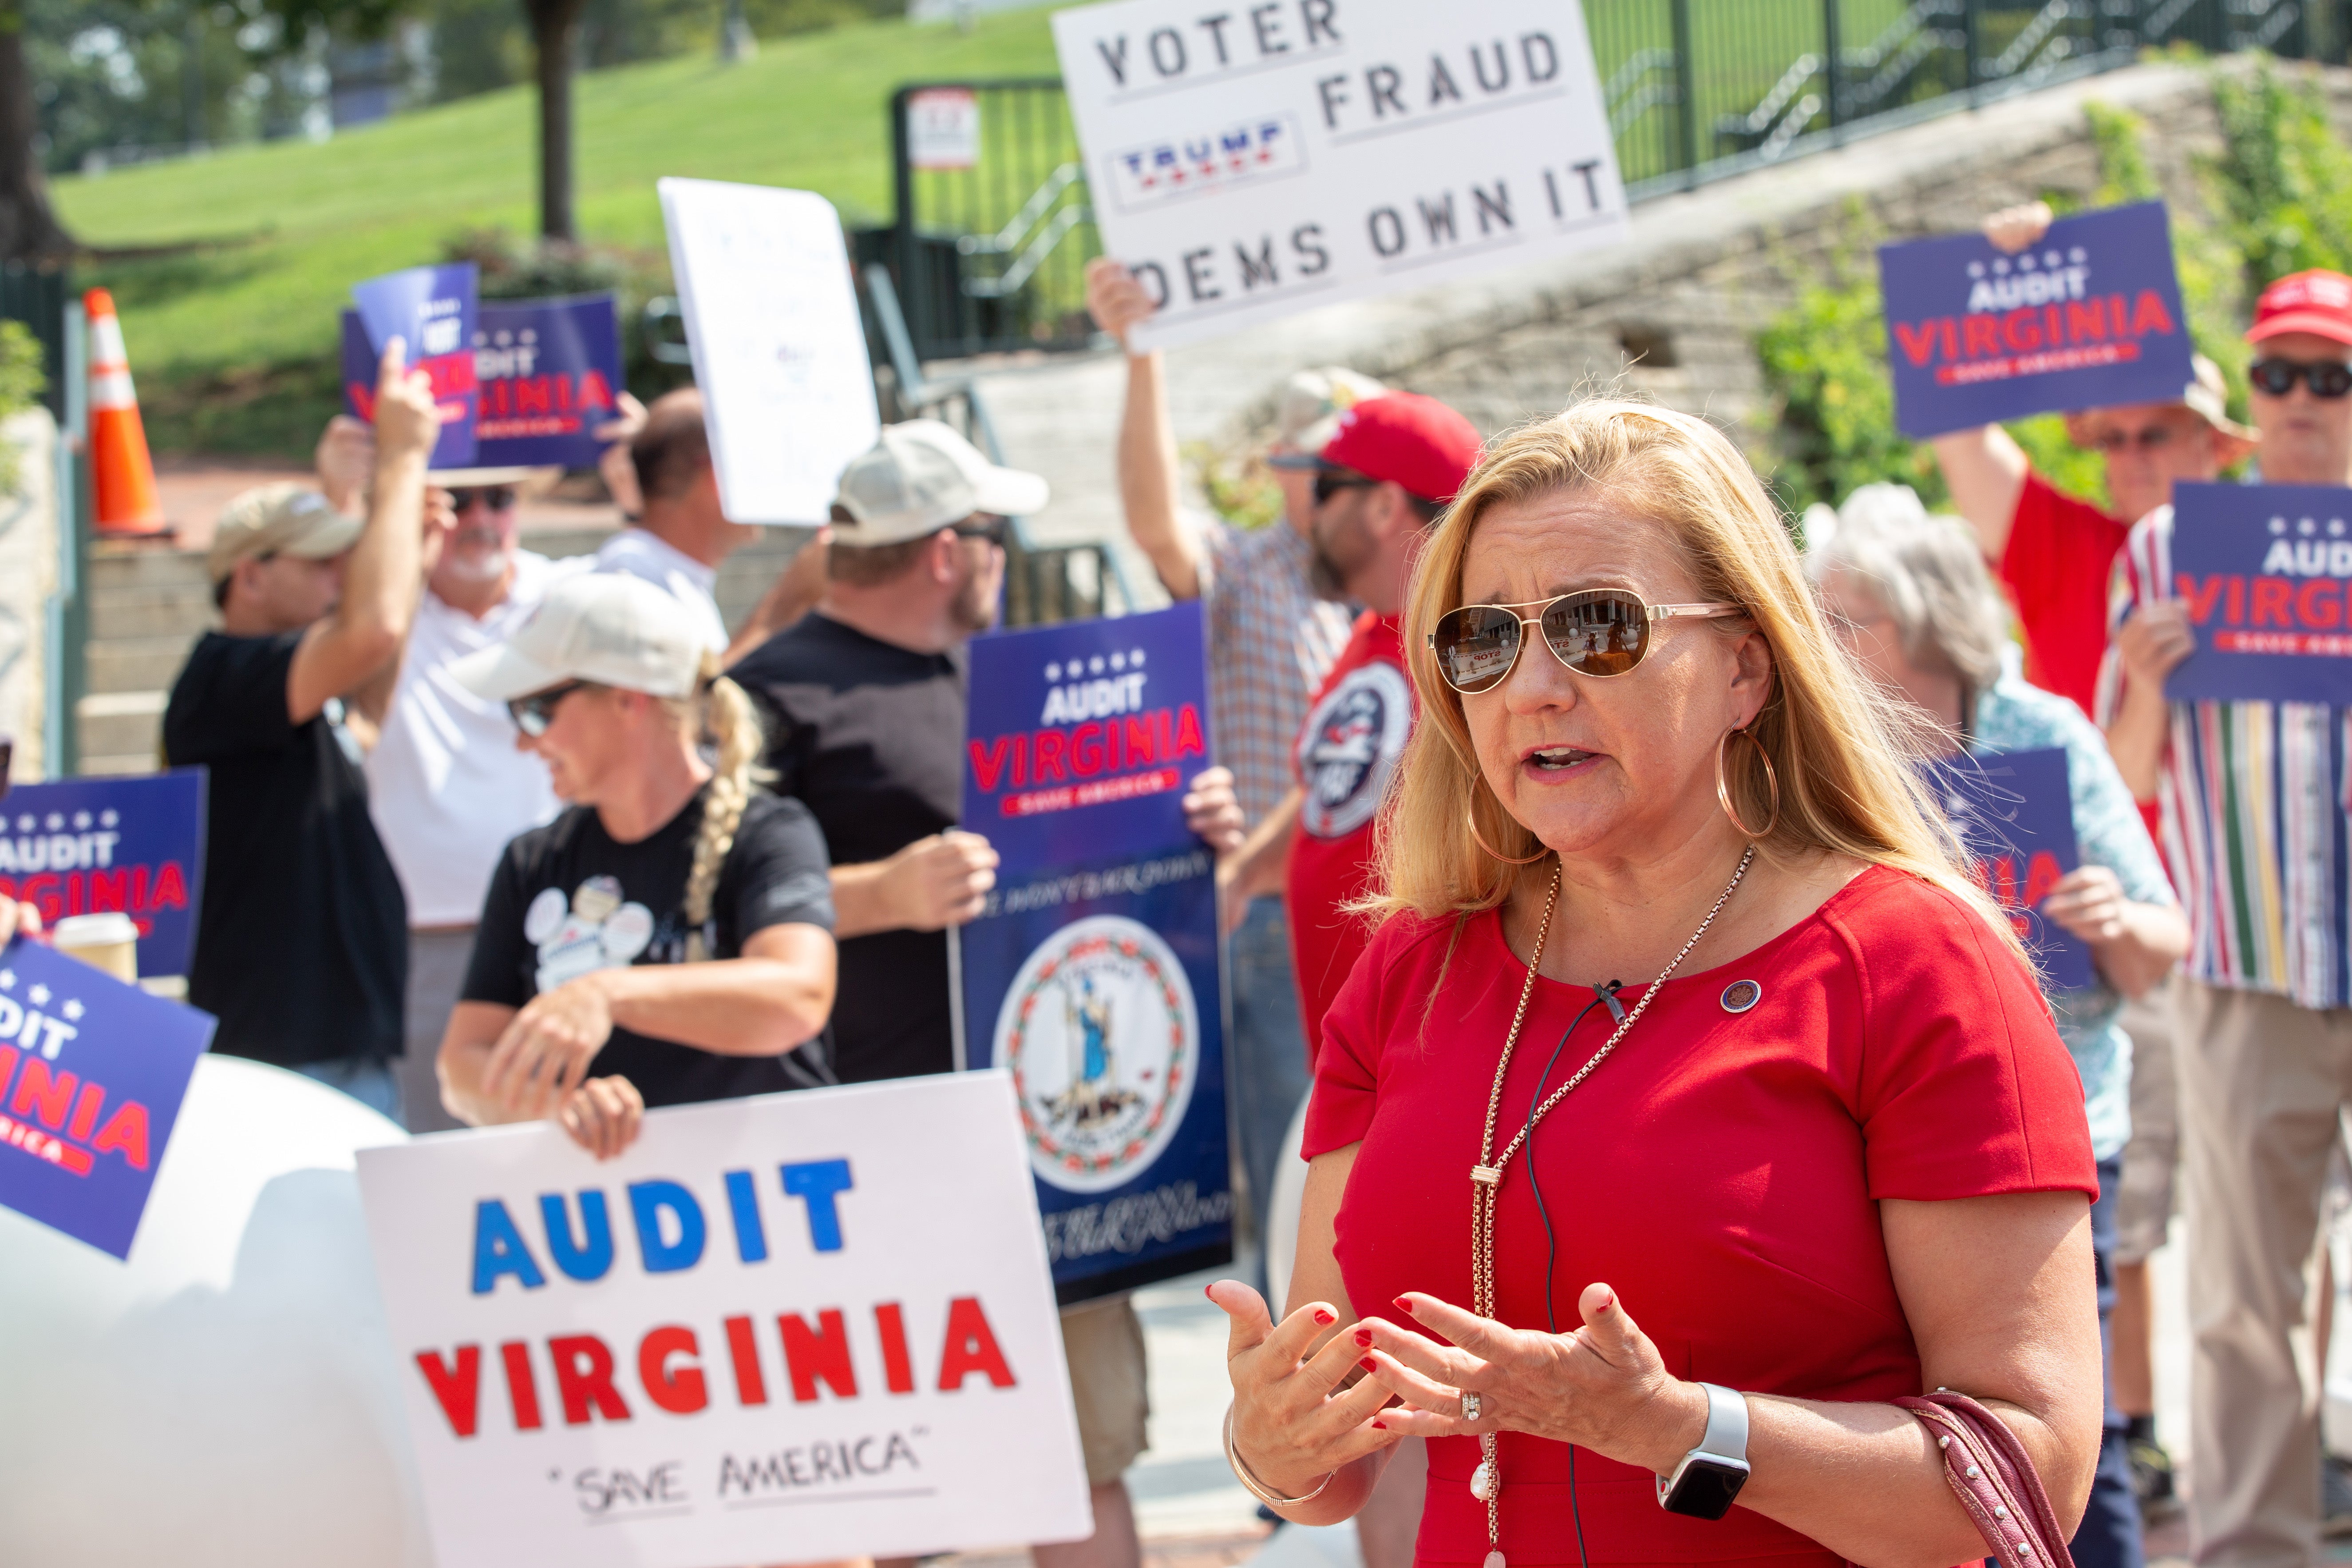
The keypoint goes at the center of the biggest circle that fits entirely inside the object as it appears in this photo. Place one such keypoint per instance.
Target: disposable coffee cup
(108, 941)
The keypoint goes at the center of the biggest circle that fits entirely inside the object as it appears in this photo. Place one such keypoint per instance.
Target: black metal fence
(36, 296)
(993, 229)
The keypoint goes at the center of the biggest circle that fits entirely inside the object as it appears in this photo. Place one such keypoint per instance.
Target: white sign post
(788, 1329)
(1254, 161)
(779, 351)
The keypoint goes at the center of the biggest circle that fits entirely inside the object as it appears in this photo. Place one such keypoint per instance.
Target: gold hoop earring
(1723, 787)
(1470, 820)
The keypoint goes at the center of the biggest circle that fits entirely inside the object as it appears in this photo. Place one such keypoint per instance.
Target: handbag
(1995, 1478)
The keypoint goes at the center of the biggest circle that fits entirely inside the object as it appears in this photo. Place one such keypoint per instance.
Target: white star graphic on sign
(82, 820)
(2078, 256)
(1135, 657)
(7, 980)
(1053, 672)
(109, 818)
(1976, 268)
(24, 824)
(1095, 665)
(2052, 258)
(57, 820)
(2278, 525)
(2306, 528)
(73, 1010)
(2335, 528)
(40, 993)
(1118, 662)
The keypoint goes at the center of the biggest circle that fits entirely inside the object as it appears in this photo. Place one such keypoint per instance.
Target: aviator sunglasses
(534, 713)
(1599, 632)
(497, 498)
(2328, 379)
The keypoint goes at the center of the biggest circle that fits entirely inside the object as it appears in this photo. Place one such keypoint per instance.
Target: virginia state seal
(1103, 1039)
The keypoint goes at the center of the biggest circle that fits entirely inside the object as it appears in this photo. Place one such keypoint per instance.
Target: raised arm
(2150, 646)
(384, 572)
(1986, 470)
(1148, 473)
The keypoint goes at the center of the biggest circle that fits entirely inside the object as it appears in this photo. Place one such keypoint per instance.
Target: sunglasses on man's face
(1599, 632)
(534, 713)
(497, 498)
(1329, 484)
(2328, 378)
(992, 529)
(2151, 438)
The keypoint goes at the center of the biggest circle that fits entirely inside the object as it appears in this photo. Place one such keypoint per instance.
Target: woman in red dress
(1689, 1106)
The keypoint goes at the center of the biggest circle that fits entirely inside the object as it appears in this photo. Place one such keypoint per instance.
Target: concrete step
(171, 611)
(122, 724)
(135, 664)
(114, 566)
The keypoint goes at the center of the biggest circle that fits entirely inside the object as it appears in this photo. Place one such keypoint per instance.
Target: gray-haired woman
(1912, 598)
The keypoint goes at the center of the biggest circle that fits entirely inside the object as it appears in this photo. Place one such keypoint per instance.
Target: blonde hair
(723, 715)
(1846, 758)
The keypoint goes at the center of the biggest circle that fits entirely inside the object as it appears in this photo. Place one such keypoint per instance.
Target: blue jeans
(1266, 1060)
(2109, 1535)
(370, 1081)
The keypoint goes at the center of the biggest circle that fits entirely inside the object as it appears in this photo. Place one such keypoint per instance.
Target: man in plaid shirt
(1271, 641)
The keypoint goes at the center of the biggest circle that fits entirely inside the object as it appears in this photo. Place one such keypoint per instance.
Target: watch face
(1703, 1488)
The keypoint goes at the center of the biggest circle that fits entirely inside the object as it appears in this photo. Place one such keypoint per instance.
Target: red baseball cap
(2317, 302)
(1409, 439)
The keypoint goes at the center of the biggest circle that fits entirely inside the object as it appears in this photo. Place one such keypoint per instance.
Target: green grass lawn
(233, 345)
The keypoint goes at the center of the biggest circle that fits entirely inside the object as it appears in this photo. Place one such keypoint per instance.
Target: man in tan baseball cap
(302, 941)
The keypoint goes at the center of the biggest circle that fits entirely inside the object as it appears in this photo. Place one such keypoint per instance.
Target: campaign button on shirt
(1350, 745)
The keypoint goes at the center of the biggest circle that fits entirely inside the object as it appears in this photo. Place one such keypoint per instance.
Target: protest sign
(92, 1073)
(2262, 571)
(784, 1328)
(1251, 164)
(1091, 974)
(2087, 318)
(779, 347)
(90, 846)
(2015, 815)
(546, 374)
(432, 308)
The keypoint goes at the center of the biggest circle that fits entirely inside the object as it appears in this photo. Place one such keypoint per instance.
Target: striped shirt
(1271, 642)
(2257, 820)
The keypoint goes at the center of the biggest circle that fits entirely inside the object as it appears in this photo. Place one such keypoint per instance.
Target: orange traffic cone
(124, 474)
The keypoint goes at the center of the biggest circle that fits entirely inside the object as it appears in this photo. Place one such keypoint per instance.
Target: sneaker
(2151, 1469)
(2334, 1499)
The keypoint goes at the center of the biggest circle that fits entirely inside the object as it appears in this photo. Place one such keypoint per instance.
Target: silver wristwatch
(1710, 1476)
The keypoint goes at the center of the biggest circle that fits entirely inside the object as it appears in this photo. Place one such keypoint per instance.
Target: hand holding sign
(407, 420)
(1116, 298)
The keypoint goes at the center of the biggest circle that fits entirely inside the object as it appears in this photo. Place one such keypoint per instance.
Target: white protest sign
(1258, 160)
(779, 351)
(788, 1329)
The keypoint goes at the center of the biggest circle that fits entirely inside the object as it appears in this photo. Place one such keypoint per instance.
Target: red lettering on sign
(1049, 764)
(1189, 741)
(522, 1384)
(125, 1131)
(2273, 602)
(744, 1351)
(988, 762)
(1086, 749)
(897, 1367)
(2148, 315)
(682, 1391)
(1981, 336)
(2085, 320)
(1918, 342)
(2021, 330)
(45, 1093)
(583, 1377)
(2320, 603)
(171, 887)
(85, 1113)
(818, 1355)
(457, 1388)
(971, 1348)
(2198, 597)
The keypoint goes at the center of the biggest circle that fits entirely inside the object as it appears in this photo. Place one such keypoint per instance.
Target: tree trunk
(553, 24)
(28, 230)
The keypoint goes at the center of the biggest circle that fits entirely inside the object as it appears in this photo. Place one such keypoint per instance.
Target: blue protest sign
(548, 370)
(92, 1072)
(1092, 975)
(2089, 317)
(2262, 571)
(432, 308)
(93, 845)
(2015, 815)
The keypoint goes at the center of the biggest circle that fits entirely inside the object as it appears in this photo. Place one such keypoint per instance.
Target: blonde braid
(733, 725)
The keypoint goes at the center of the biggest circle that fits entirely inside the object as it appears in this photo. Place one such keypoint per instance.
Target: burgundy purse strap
(1995, 1478)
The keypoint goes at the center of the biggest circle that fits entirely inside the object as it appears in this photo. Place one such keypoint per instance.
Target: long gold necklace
(1486, 1176)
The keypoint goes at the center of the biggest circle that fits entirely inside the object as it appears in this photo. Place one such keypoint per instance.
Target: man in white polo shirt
(447, 787)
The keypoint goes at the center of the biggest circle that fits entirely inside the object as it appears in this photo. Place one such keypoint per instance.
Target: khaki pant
(1103, 1342)
(2143, 1203)
(2260, 1082)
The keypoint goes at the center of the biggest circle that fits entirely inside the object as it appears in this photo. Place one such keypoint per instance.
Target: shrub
(21, 384)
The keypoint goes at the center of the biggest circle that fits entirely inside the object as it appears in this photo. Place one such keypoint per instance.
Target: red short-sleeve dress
(1721, 1170)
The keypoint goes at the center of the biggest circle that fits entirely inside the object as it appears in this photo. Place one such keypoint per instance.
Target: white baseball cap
(601, 627)
(921, 477)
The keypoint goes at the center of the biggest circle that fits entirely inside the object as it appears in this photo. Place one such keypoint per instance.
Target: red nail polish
(1324, 1318)
(1379, 1426)
(1404, 1306)
(1364, 1337)
(1209, 1291)
(1369, 1364)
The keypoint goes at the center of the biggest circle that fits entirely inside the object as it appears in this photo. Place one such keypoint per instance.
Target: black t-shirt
(871, 736)
(569, 899)
(302, 939)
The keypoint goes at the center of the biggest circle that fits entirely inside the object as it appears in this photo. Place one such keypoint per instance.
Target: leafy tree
(29, 230)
